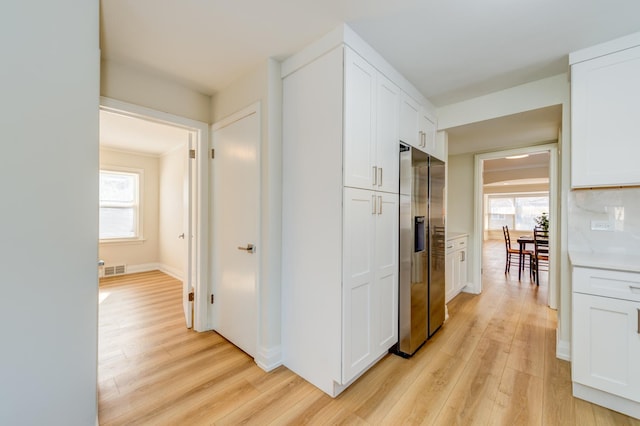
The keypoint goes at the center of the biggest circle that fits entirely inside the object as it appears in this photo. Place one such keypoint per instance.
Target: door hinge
(213, 153)
(192, 153)
(191, 297)
(212, 299)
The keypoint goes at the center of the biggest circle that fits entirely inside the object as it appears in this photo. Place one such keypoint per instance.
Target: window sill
(123, 241)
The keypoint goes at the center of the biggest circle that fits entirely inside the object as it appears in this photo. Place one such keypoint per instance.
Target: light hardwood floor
(493, 362)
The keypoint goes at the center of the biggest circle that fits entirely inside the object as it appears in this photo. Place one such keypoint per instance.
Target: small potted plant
(542, 221)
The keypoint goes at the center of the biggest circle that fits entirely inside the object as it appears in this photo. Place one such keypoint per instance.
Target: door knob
(250, 248)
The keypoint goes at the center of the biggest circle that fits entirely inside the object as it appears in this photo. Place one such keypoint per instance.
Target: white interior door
(234, 231)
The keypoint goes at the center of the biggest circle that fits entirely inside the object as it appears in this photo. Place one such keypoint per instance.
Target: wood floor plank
(492, 362)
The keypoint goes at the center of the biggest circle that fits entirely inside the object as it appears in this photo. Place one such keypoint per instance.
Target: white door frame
(200, 132)
(552, 148)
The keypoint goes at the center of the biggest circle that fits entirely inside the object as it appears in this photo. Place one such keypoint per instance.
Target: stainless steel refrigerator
(422, 249)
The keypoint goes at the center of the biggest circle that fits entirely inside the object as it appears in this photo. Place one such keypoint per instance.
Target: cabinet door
(449, 277)
(387, 148)
(428, 134)
(359, 122)
(605, 98)
(386, 276)
(606, 344)
(409, 112)
(360, 211)
(462, 275)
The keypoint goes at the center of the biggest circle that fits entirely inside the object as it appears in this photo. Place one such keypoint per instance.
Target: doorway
(536, 160)
(170, 212)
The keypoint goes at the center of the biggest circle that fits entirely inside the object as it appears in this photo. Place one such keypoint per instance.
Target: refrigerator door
(414, 264)
(436, 244)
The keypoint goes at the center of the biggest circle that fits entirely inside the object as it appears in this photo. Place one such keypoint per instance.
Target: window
(518, 212)
(119, 205)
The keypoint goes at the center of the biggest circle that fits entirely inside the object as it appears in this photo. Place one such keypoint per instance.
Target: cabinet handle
(634, 289)
(638, 329)
(373, 203)
(462, 256)
(379, 204)
(375, 175)
(380, 177)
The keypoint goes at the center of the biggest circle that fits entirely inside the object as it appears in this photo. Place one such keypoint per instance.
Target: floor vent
(114, 270)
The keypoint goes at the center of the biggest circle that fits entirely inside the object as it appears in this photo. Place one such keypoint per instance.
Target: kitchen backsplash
(605, 220)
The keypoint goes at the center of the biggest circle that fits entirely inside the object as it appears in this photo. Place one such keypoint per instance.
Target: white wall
(49, 216)
(172, 251)
(531, 96)
(146, 88)
(264, 84)
(142, 255)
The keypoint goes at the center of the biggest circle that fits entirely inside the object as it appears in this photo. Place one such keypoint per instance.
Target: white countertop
(616, 262)
(454, 235)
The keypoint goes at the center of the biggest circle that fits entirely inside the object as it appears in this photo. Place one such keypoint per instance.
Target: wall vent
(115, 270)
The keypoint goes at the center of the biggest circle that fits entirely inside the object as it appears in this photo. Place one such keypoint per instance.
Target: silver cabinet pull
(380, 177)
(375, 175)
(249, 248)
(638, 329)
(463, 255)
(373, 203)
(379, 204)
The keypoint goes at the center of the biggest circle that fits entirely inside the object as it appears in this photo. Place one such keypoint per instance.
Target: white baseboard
(170, 270)
(143, 267)
(269, 358)
(563, 349)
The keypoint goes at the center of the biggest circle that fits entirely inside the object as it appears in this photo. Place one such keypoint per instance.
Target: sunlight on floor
(102, 296)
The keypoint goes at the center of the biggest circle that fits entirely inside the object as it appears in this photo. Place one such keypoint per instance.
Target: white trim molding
(563, 349)
(269, 358)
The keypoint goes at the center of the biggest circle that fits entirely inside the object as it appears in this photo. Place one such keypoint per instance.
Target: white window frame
(513, 195)
(138, 210)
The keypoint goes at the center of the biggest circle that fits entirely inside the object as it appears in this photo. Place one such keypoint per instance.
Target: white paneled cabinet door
(605, 98)
(387, 136)
(449, 278)
(409, 112)
(359, 122)
(360, 210)
(428, 134)
(386, 276)
(606, 347)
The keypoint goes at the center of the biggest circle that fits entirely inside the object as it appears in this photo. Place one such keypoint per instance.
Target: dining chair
(511, 252)
(541, 252)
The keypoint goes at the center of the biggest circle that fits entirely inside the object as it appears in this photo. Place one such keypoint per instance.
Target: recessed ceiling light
(513, 157)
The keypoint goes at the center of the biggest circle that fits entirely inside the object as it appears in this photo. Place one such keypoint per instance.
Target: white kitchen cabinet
(418, 128)
(339, 241)
(455, 266)
(606, 345)
(409, 117)
(370, 319)
(605, 130)
(370, 126)
(605, 350)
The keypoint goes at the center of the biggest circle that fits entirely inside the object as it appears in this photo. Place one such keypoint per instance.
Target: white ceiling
(126, 133)
(450, 50)
(523, 129)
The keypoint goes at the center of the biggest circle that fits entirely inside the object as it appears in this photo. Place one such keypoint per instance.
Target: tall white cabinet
(341, 116)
